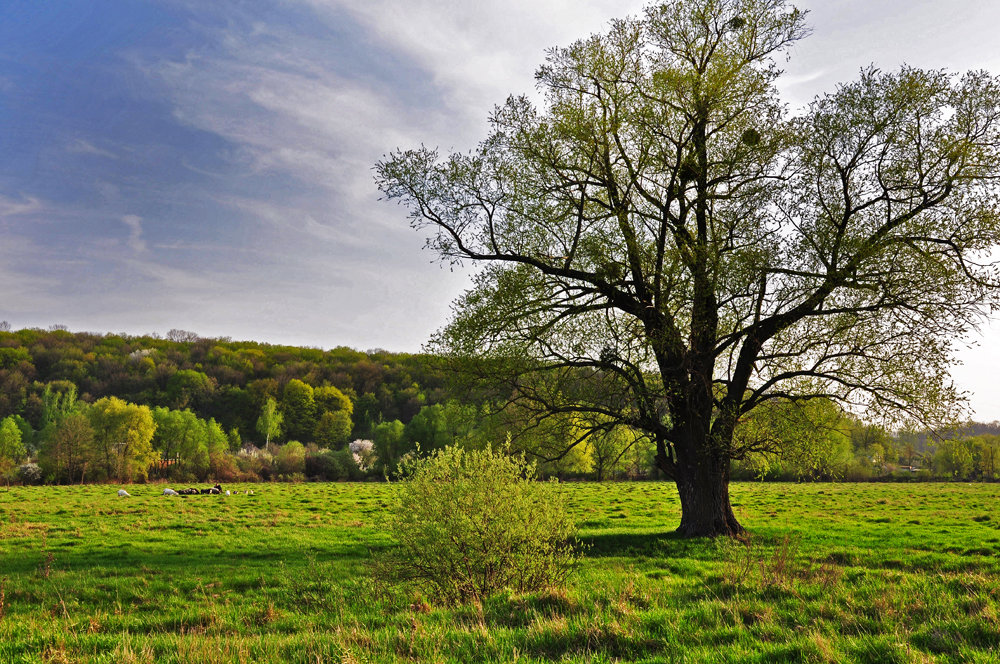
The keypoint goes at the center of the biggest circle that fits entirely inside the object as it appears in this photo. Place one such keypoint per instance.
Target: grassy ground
(833, 573)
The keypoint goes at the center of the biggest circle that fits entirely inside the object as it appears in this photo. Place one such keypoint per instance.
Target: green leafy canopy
(661, 225)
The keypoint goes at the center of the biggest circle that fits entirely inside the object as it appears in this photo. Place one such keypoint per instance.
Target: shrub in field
(332, 466)
(291, 459)
(349, 469)
(473, 523)
(320, 465)
(254, 467)
(29, 473)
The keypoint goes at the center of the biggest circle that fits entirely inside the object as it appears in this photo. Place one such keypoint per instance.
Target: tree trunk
(705, 509)
(703, 486)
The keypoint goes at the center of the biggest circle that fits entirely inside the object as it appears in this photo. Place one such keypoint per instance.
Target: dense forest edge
(79, 407)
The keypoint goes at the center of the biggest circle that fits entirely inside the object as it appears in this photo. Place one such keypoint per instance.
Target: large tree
(662, 244)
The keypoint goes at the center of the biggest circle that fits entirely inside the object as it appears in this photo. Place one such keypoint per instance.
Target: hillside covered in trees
(214, 378)
(225, 388)
(80, 407)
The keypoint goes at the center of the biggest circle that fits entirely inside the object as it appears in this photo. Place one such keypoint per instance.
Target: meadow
(832, 573)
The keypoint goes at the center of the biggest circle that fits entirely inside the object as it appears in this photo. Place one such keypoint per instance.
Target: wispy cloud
(322, 129)
(10, 207)
(81, 146)
(480, 51)
(135, 241)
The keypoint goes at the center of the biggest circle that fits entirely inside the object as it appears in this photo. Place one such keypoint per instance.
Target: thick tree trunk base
(705, 508)
(715, 528)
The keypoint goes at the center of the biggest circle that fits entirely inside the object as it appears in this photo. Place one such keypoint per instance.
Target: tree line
(218, 378)
(82, 407)
(121, 407)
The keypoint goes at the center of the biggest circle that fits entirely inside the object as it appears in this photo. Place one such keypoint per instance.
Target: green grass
(833, 573)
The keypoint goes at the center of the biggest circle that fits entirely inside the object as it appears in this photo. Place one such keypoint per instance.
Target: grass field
(833, 573)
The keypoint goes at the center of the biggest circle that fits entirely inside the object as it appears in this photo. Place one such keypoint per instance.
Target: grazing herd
(215, 490)
(191, 491)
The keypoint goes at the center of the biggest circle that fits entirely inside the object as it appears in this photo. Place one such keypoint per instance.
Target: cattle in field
(122, 493)
(170, 492)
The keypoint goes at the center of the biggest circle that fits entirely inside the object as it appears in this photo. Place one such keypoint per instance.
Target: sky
(207, 166)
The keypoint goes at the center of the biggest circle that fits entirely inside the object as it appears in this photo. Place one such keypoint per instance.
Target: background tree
(368, 414)
(800, 440)
(661, 244)
(270, 421)
(389, 439)
(953, 459)
(123, 435)
(235, 439)
(440, 425)
(31, 439)
(330, 399)
(291, 459)
(221, 464)
(11, 449)
(609, 450)
(182, 441)
(58, 400)
(228, 380)
(986, 452)
(333, 429)
(333, 416)
(65, 454)
(188, 388)
(298, 407)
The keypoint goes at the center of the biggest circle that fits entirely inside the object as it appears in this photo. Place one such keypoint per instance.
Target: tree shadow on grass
(666, 544)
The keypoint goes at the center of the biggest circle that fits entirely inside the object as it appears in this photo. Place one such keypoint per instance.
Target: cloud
(307, 112)
(10, 207)
(308, 105)
(322, 129)
(135, 241)
(304, 110)
(479, 52)
(80, 146)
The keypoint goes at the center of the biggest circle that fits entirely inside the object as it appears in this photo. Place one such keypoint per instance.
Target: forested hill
(229, 381)
(74, 402)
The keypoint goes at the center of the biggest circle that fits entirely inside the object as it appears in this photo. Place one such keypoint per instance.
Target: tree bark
(705, 508)
(703, 486)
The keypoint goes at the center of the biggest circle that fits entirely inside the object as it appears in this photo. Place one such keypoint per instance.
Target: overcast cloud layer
(207, 165)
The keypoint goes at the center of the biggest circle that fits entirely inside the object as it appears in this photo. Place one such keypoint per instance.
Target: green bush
(333, 466)
(348, 466)
(471, 524)
(322, 465)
